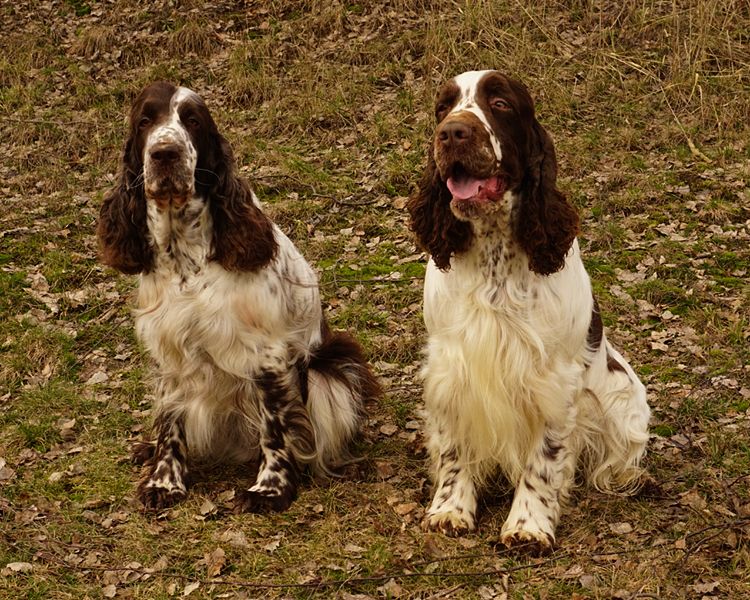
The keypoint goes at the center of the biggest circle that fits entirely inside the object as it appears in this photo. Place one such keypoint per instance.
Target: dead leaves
(6, 473)
(133, 572)
(13, 568)
(215, 562)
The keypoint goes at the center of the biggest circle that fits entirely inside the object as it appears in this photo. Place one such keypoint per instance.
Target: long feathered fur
(245, 366)
(519, 376)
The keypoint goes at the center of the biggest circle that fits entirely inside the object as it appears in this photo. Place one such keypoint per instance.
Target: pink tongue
(465, 188)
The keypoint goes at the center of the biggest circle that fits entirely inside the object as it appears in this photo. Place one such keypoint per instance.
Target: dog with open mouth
(520, 378)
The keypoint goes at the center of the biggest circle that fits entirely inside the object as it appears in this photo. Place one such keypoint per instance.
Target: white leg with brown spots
(542, 489)
(286, 441)
(454, 506)
(167, 482)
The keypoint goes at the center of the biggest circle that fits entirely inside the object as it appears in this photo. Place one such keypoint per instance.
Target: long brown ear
(122, 227)
(437, 229)
(243, 235)
(546, 223)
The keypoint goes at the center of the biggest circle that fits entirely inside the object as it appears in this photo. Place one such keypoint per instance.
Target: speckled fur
(511, 382)
(245, 365)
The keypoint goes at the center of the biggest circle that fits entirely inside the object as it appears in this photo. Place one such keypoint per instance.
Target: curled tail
(338, 384)
(615, 417)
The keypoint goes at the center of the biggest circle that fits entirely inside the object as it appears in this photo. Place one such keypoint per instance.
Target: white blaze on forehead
(182, 94)
(468, 84)
(172, 130)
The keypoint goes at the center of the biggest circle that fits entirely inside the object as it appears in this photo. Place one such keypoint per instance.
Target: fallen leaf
(207, 508)
(19, 567)
(190, 588)
(384, 469)
(215, 562)
(620, 528)
(573, 572)
(694, 500)
(388, 429)
(391, 589)
(63, 423)
(160, 564)
(706, 588)
(110, 591)
(353, 549)
(97, 377)
(234, 538)
(405, 508)
(6, 473)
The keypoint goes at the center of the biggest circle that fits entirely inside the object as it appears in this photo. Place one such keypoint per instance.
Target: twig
(722, 527)
(370, 280)
(356, 204)
(49, 121)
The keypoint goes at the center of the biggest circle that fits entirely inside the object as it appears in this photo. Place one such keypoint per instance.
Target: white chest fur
(503, 350)
(193, 313)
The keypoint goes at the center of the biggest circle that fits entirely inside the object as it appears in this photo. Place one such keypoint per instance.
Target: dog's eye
(144, 122)
(441, 109)
(192, 121)
(500, 104)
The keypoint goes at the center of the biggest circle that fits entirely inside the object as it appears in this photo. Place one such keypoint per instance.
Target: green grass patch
(665, 294)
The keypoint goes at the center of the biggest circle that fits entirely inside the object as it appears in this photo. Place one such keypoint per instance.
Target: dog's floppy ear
(122, 227)
(546, 223)
(243, 238)
(436, 227)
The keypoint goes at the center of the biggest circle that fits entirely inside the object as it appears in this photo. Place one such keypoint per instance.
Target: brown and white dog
(519, 376)
(246, 367)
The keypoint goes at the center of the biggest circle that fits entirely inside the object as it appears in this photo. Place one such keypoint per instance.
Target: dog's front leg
(286, 438)
(167, 482)
(454, 504)
(542, 488)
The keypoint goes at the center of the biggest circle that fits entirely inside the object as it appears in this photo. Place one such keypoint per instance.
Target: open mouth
(466, 187)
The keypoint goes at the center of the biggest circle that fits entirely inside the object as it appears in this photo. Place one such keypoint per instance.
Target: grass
(328, 107)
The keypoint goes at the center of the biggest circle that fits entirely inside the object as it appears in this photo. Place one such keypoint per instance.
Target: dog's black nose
(454, 133)
(165, 154)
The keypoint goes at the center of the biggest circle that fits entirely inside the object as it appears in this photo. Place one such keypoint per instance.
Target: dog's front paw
(450, 522)
(534, 540)
(263, 500)
(157, 496)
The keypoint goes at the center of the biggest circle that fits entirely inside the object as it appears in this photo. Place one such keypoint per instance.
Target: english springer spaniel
(246, 366)
(519, 376)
